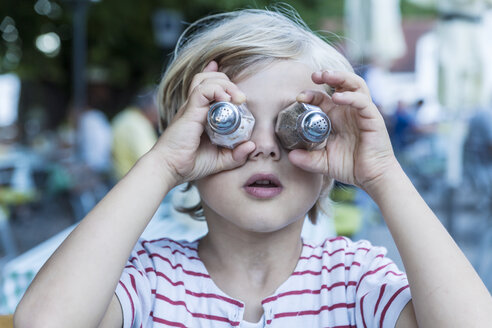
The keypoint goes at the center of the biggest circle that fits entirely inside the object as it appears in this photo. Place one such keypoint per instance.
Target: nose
(267, 144)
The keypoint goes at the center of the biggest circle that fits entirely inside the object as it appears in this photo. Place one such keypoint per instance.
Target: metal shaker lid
(315, 126)
(223, 117)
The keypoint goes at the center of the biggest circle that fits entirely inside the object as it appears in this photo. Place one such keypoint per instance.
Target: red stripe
(179, 265)
(171, 241)
(319, 257)
(143, 251)
(336, 239)
(383, 314)
(314, 312)
(129, 266)
(358, 249)
(134, 285)
(167, 322)
(220, 297)
(327, 241)
(131, 301)
(196, 315)
(362, 311)
(200, 295)
(162, 275)
(309, 291)
(317, 273)
(381, 292)
(370, 273)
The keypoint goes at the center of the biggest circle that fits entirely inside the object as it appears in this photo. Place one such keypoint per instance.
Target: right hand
(183, 148)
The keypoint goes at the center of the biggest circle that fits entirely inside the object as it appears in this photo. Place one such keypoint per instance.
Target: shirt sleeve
(382, 290)
(134, 290)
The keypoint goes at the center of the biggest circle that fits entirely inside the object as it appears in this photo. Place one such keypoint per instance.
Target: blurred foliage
(122, 50)
(120, 36)
(410, 9)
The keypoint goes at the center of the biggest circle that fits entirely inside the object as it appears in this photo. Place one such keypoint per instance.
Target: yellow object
(133, 136)
(6, 321)
(10, 196)
(348, 219)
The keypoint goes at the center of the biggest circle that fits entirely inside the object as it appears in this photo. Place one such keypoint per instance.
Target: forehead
(280, 79)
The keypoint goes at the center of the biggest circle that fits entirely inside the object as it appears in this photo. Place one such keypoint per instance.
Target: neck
(258, 260)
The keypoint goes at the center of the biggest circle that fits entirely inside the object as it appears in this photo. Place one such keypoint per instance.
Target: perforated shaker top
(316, 126)
(223, 117)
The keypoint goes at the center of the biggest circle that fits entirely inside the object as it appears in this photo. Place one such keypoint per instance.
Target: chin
(266, 224)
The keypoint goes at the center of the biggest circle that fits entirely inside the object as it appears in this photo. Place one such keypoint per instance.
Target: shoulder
(166, 247)
(163, 255)
(343, 246)
(346, 258)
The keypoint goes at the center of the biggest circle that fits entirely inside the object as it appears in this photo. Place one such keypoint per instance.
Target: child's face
(268, 192)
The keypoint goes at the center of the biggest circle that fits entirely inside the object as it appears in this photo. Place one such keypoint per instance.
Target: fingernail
(241, 98)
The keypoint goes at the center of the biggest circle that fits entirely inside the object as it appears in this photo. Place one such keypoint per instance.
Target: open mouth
(263, 186)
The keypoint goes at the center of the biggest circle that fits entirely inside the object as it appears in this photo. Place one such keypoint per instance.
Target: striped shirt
(339, 283)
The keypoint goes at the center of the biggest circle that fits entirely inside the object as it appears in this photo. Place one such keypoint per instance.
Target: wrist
(157, 166)
(391, 175)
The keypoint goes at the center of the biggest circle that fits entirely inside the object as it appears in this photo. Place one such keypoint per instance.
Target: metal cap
(223, 117)
(315, 126)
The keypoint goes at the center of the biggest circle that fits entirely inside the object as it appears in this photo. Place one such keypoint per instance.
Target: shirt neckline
(277, 291)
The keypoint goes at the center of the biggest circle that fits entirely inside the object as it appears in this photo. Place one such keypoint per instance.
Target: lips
(263, 186)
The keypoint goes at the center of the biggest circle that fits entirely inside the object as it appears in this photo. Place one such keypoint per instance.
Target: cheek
(311, 185)
(212, 189)
(306, 188)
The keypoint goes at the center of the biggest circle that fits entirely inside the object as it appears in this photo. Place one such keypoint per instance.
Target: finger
(206, 93)
(341, 80)
(362, 102)
(211, 67)
(230, 159)
(198, 103)
(200, 77)
(236, 95)
(316, 98)
(241, 152)
(310, 161)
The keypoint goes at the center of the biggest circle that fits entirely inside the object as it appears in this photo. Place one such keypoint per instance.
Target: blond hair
(242, 42)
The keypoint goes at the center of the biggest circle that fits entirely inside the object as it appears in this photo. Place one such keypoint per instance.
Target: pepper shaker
(229, 125)
(302, 126)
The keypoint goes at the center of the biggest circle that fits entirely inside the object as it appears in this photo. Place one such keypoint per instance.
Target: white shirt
(337, 283)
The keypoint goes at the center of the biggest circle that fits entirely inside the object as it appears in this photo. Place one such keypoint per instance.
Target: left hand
(358, 150)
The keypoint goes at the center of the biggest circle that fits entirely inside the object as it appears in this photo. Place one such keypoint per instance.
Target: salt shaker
(229, 125)
(302, 126)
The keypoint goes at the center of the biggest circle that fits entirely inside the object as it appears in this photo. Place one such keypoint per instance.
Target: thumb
(231, 159)
(312, 161)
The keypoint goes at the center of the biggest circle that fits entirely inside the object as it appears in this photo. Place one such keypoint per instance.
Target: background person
(134, 132)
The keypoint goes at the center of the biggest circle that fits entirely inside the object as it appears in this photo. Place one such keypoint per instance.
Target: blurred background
(77, 110)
